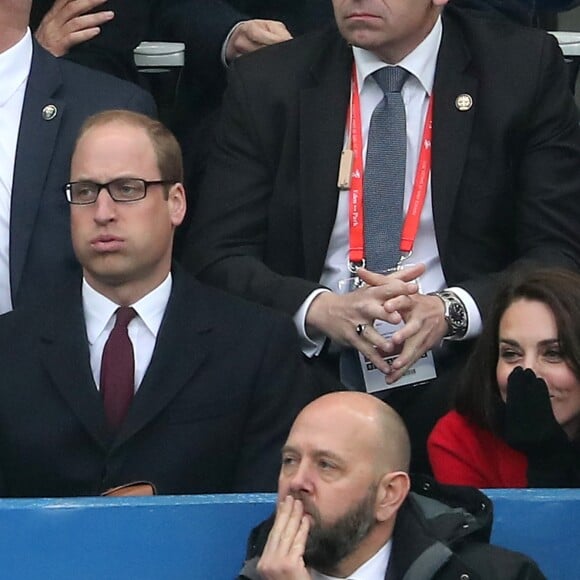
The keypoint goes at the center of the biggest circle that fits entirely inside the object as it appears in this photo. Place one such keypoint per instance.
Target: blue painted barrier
(204, 537)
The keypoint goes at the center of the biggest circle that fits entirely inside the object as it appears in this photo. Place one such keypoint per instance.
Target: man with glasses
(139, 372)
(43, 102)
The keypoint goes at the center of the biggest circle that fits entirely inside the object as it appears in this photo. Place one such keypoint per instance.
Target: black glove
(530, 427)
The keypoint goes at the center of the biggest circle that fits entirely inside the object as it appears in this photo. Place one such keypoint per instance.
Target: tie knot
(124, 315)
(391, 78)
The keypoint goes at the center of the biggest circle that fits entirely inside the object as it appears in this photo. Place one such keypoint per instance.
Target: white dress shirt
(421, 63)
(373, 569)
(14, 70)
(143, 329)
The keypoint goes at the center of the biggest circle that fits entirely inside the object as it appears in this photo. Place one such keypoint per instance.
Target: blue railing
(203, 537)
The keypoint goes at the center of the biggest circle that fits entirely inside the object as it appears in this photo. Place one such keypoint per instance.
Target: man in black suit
(45, 101)
(272, 225)
(215, 383)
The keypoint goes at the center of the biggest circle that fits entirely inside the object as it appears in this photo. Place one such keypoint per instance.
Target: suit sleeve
(227, 237)
(282, 387)
(547, 180)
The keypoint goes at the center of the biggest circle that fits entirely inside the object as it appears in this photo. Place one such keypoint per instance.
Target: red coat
(462, 453)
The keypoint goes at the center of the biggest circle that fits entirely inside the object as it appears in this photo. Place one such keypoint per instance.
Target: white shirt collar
(15, 67)
(421, 62)
(373, 569)
(99, 310)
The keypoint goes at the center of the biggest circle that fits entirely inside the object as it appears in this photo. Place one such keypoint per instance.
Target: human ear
(177, 203)
(392, 491)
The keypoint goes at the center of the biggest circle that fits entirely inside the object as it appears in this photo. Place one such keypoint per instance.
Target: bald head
(346, 459)
(363, 423)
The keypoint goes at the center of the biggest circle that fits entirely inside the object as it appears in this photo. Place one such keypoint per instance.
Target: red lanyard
(352, 163)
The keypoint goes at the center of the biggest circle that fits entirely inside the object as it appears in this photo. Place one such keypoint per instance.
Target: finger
(407, 274)
(400, 303)
(261, 36)
(374, 356)
(87, 21)
(397, 371)
(288, 534)
(58, 5)
(408, 331)
(374, 338)
(299, 544)
(393, 318)
(278, 30)
(242, 43)
(282, 514)
(73, 8)
(412, 350)
(380, 295)
(81, 36)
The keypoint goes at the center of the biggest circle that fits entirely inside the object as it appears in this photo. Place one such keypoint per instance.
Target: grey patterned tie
(384, 183)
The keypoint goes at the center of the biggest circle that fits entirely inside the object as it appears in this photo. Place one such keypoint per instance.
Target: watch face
(457, 316)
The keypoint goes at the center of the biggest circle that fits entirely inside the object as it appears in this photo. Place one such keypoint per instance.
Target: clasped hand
(392, 298)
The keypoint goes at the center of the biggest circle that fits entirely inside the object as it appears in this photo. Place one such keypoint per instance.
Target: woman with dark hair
(516, 421)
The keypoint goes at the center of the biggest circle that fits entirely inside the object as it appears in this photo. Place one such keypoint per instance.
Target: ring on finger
(360, 328)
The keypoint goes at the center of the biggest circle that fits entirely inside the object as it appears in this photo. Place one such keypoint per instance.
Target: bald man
(345, 509)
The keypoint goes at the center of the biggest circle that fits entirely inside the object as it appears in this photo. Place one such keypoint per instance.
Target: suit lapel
(36, 142)
(179, 351)
(65, 355)
(451, 126)
(322, 123)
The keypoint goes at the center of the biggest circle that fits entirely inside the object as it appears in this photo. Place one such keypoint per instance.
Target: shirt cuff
(226, 41)
(473, 314)
(310, 345)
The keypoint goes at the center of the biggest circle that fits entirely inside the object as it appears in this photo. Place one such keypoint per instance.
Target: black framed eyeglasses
(123, 190)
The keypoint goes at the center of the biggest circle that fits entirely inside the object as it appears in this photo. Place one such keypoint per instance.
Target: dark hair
(478, 397)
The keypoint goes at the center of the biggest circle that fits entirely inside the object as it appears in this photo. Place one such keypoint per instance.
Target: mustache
(308, 506)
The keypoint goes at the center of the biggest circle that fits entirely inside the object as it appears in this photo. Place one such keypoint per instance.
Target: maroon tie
(118, 369)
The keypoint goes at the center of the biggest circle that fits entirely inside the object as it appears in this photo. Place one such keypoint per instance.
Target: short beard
(328, 545)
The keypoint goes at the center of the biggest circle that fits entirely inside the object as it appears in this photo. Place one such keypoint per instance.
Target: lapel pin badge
(49, 112)
(464, 102)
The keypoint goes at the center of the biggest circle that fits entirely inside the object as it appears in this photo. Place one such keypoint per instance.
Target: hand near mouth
(282, 558)
(530, 427)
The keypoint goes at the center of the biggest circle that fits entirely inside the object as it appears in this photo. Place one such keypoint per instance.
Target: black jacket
(442, 533)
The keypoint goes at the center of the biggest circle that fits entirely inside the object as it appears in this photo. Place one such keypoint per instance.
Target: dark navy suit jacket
(41, 255)
(210, 416)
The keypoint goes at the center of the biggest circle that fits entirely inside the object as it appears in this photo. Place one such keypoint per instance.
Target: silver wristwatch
(455, 314)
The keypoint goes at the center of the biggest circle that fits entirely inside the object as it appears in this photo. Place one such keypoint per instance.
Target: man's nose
(301, 479)
(105, 206)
